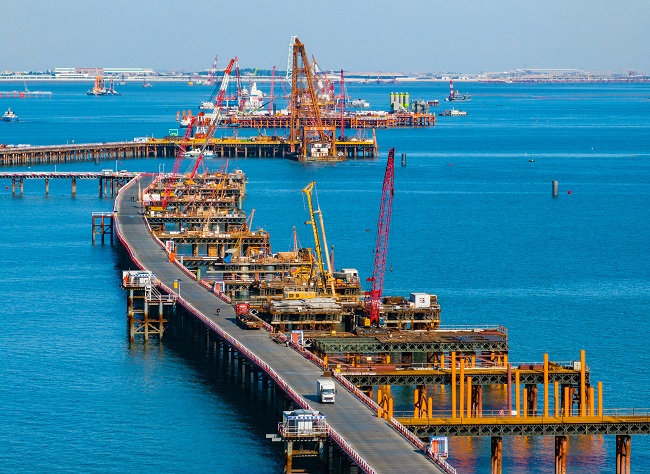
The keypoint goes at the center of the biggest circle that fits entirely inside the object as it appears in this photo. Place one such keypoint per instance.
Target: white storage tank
(421, 300)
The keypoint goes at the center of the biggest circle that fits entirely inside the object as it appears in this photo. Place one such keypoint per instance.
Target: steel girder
(429, 378)
(532, 429)
(369, 345)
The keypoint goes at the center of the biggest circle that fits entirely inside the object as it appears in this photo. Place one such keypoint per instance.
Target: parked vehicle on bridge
(326, 390)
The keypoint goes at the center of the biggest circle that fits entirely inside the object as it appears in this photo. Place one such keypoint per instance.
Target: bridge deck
(373, 438)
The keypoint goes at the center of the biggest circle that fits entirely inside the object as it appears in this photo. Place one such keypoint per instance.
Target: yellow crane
(324, 275)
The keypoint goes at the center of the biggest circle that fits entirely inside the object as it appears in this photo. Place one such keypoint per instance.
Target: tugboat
(456, 95)
(9, 116)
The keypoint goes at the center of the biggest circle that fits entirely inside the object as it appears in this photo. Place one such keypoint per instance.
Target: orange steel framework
(304, 109)
(348, 121)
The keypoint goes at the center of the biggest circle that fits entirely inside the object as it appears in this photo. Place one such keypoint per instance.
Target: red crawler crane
(373, 297)
(171, 183)
(342, 105)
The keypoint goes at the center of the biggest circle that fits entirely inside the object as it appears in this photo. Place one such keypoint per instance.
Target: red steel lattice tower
(373, 298)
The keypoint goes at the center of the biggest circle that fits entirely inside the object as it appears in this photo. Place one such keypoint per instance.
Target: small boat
(9, 116)
(453, 113)
(185, 121)
(146, 84)
(531, 160)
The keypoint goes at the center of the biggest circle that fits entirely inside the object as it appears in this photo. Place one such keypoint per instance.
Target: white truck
(325, 390)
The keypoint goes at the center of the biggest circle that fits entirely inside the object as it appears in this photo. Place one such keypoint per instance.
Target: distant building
(88, 72)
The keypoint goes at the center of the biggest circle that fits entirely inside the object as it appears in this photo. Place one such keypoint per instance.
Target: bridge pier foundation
(623, 454)
(477, 401)
(22, 186)
(288, 457)
(532, 399)
(74, 187)
(130, 316)
(13, 186)
(497, 454)
(560, 454)
(47, 186)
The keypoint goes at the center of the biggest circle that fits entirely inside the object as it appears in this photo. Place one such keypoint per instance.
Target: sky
(409, 36)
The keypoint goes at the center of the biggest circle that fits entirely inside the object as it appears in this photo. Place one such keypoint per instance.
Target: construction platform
(361, 120)
(423, 376)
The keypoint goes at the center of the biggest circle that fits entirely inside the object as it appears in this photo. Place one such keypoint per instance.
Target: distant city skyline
(465, 36)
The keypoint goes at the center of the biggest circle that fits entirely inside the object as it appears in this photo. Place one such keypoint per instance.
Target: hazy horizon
(466, 36)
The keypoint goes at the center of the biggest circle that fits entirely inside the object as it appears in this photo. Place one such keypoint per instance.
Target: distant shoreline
(356, 80)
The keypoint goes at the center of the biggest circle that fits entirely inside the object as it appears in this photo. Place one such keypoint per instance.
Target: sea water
(473, 221)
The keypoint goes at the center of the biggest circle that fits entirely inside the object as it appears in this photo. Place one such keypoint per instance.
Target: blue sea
(474, 222)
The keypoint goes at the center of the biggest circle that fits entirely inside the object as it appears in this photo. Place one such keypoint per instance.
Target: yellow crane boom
(325, 275)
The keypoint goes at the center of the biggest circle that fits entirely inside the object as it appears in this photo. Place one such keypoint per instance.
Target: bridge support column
(546, 385)
(623, 454)
(532, 399)
(288, 456)
(101, 187)
(74, 187)
(47, 186)
(246, 375)
(567, 400)
(517, 396)
(130, 316)
(461, 388)
(161, 319)
(420, 409)
(560, 454)
(323, 452)
(477, 401)
(22, 186)
(497, 454)
(145, 320)
(583, 384)
(509, 388)
(468, 391)
(453, 385)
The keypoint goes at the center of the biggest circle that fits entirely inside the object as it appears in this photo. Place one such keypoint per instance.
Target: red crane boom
(272, 93)
(180, 154)
(373, 297)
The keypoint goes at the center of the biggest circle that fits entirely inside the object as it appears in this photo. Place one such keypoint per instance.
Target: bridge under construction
(547, 398)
